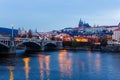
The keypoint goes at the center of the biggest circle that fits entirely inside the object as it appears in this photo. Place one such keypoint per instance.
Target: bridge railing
(29, 40)
(4, 38)
(17, 41)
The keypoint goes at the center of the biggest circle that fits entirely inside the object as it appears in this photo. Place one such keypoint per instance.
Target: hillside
(7, 31)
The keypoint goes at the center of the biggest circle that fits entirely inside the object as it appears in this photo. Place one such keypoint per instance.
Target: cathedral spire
(80, 23)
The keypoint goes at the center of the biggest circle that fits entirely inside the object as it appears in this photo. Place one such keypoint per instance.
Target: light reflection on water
(61, 65)
(11, 68)
(41, 62)
(65, 62)
(26, 67)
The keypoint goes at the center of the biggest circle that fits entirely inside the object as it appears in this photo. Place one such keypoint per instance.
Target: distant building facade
(116, 34)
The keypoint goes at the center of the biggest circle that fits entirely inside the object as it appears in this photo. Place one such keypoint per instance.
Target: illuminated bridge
(10, 45)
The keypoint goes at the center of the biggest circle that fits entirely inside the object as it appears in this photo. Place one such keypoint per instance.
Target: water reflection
(65, 62)
(61, 65)
(83, 66)
(89, 53)
(9, 61)
(26, 67)
(94, 61)
(41, 62)
(47, 62)
(11, 68)
(7, 68)
(44, 62)
(98, 62)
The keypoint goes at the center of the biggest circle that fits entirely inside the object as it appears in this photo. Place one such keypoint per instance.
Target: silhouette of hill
(7, 31)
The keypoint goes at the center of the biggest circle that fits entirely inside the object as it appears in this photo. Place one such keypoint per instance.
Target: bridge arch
(50, 46)
(48, 42)
(30, 45)
(3, 46)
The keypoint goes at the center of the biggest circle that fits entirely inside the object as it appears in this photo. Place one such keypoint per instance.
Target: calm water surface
(61, 65)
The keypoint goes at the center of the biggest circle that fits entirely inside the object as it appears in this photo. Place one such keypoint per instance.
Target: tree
(103, 41)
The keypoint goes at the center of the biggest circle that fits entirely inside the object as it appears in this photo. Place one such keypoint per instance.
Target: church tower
(19, 31)
(80, 23)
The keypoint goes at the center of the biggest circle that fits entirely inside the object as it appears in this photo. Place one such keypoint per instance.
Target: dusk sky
(47, 15)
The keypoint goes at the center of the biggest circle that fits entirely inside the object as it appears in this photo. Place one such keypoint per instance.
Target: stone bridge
(11, 45)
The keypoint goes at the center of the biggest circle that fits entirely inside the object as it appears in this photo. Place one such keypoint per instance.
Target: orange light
(26, 61)
(81, 40)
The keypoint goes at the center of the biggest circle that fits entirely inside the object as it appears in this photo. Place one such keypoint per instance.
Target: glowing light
(26, 61)
(81, 40)
(41, 62)
(47, 61)
(65, 63)
(11, 68)
(11, 75)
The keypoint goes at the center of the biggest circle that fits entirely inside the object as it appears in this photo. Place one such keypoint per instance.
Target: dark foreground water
(61, 65)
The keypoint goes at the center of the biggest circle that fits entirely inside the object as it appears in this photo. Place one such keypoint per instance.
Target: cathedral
(83, 24)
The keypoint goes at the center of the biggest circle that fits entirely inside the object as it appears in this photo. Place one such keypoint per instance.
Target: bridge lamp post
(12, 48)
(12, 31)
(12, 36)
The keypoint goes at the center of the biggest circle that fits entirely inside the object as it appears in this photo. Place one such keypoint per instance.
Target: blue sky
(47, 15)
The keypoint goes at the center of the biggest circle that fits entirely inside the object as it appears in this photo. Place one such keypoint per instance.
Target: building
(83, 24)
(116, 34)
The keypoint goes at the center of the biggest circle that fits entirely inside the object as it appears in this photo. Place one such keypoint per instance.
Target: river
(61, 65)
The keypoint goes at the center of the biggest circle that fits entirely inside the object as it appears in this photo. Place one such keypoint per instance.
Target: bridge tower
(12, 48)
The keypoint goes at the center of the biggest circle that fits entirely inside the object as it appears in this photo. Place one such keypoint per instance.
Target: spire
(22, 29)
(80, 23)
(19, 31)
(36, 30)
(83, 24)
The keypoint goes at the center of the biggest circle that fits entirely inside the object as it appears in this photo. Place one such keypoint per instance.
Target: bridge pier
(42, 48)
(12, 50)
(59, 45)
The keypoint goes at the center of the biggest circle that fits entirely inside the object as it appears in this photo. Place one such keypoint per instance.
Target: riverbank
(108, 48)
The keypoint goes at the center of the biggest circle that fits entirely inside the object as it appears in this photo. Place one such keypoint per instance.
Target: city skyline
(47, 15)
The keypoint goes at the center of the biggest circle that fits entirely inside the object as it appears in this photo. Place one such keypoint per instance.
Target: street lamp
(12, 36)
(12, 30)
